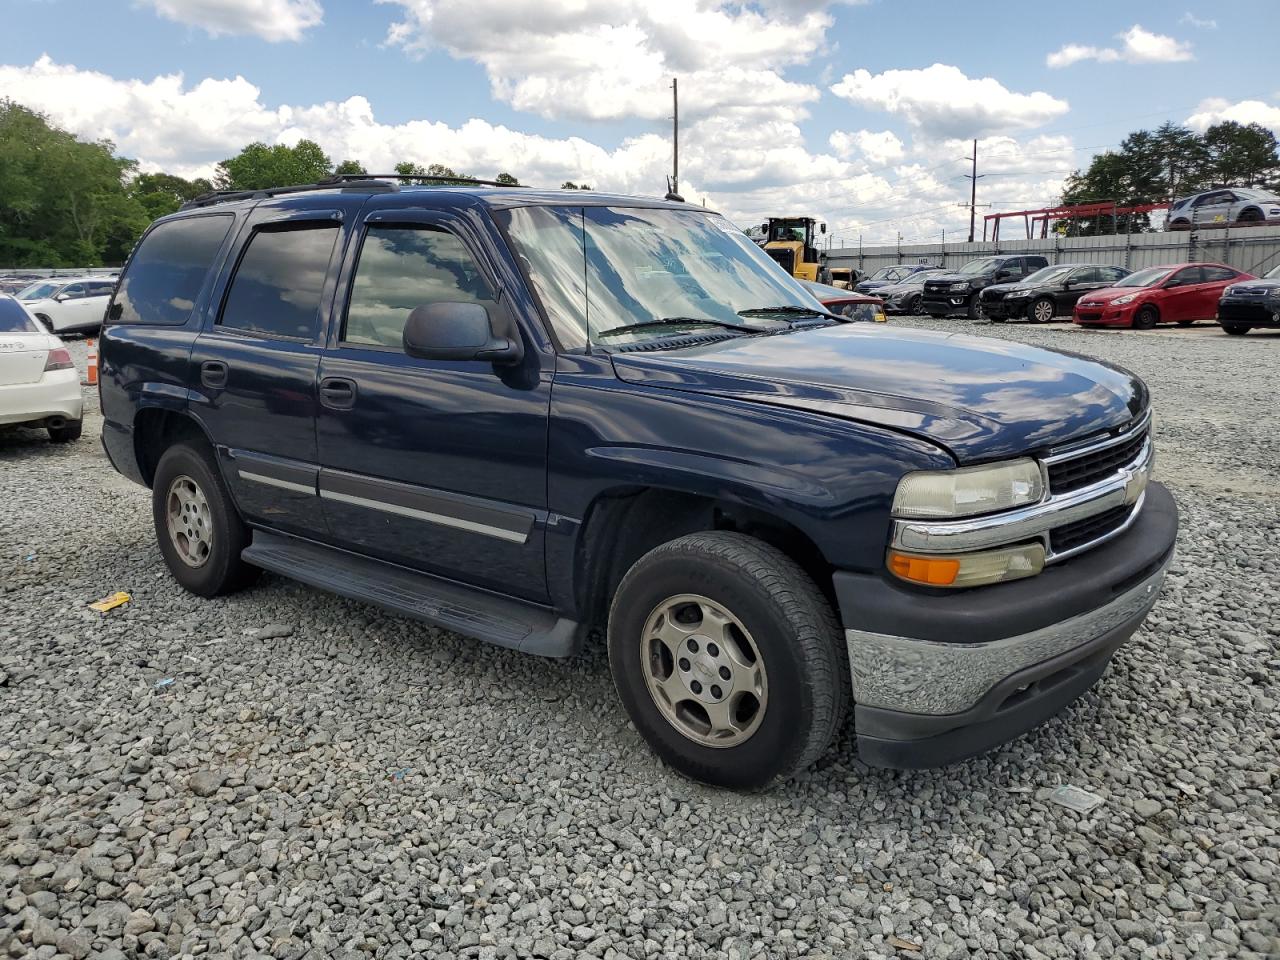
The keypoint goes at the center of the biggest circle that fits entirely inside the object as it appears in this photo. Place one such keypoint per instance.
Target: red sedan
(1180, 293)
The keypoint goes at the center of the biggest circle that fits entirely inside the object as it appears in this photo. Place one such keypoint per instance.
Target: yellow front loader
(790, 241)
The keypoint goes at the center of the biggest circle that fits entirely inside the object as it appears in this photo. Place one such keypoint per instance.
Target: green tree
(163, 193)
(260, 167)
(63, 201)
(570, 185)
(350, 166)
(1242, 155)
(508, 179)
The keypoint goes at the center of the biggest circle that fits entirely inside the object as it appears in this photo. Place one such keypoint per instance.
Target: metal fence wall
(57, 271)
(1252, 249)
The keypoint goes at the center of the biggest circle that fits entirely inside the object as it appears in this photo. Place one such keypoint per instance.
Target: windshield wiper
(671, 322)
(792, 308)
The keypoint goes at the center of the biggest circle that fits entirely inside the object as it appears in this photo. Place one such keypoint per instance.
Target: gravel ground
(285, 773)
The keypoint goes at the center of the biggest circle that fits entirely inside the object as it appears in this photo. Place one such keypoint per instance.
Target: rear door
(1076, 284)
(1213, 282)
(438, 465)
(253, 368)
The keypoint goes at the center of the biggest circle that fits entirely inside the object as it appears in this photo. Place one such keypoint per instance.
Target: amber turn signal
(934, 571)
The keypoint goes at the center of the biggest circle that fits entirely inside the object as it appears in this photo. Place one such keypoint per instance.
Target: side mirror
(60, 298)
(458, 331)
(1068, 285)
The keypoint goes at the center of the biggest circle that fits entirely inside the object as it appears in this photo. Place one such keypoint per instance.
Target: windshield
(38, 290)
(974, 267)
(1254, 194)
(885, 273)
(916, 279)
(597, 269)
(1273, 273)
(1048, 275)
(1143, 278)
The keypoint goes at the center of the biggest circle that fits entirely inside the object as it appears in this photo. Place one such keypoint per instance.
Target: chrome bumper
(927, 677)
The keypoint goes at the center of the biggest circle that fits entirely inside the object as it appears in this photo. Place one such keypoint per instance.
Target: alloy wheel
(189, 521)
(704, 671)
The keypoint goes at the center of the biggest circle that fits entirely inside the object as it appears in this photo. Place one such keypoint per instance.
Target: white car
(39, 383)
(69, 304)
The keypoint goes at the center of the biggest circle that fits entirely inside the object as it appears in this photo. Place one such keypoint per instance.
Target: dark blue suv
(522, 415)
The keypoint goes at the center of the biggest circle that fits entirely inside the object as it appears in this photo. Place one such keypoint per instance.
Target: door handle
(338, 393)
(213, 373)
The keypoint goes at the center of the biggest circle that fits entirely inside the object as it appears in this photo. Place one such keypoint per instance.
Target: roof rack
(372, 182)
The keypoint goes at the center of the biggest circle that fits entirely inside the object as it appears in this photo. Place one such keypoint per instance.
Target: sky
(858, 112)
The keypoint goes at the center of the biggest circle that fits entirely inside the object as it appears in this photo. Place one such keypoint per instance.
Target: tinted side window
(405, 267)
(1086, 275)
(1186, 277)
(1112, 274)
(1216, 273)
(277, 285)
(100, 288)
(72, 291)
(166, 272)
(14, 319)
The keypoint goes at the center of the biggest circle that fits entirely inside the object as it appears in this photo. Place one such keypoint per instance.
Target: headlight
(968, 491)
(969, 569)
(960, 286)
(1274, 292)
(1127, 298)
(1228, 291)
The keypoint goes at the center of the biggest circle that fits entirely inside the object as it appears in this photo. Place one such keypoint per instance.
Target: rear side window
(277, 287)
(166, 272)
(405, 267)
(14, 319)
(1217, 273)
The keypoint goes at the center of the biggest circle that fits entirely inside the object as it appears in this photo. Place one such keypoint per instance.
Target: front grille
(1072, 535)
(785, 257)
(1089, 317)
(1096, 465)
(937, 288)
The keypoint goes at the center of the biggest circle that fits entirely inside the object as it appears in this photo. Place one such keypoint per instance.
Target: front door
(253, 370)
(438, 465)
(1181, 297)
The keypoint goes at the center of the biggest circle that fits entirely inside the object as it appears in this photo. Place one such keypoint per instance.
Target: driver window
(1184, 278)
(73, 291)
(403, 267)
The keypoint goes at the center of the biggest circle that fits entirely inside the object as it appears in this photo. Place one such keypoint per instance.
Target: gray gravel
(319, 779)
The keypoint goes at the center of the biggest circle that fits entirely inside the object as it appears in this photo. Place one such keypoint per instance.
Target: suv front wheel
(728, 659)
(199, 531)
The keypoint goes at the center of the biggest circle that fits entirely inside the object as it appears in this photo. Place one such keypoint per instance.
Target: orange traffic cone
(91, 378)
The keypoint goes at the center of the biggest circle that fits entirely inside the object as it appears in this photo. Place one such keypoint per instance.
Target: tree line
(1168, 163)
(67, 202)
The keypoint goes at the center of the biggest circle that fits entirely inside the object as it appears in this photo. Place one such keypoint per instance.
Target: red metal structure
(1068, 212)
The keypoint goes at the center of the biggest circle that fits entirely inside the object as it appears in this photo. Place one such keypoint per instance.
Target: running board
(475, 613)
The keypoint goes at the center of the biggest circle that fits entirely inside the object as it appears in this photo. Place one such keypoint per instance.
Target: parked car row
(69, 304)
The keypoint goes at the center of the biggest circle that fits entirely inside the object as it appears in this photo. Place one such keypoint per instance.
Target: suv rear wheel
(728, 659)
(197, 526)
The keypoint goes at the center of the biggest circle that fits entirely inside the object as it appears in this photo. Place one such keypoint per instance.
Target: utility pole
(675, 135)
(973, 188)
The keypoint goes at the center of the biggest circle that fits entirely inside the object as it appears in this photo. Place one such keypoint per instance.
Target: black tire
(972, 310)
(1036, 313)
(222, 570)
(1145, 318)
(1236, 329)
(69, 432)
(1251, 215)
(1180, 225)
(912, 306)
(790, 624)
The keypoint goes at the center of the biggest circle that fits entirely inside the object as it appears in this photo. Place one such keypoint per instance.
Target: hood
(893, 289)
(864, 285)
(952, 277)
(980, 399)
(1107, 294)
(1008, 288)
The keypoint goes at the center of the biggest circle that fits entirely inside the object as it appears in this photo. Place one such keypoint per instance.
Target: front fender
(831, 479)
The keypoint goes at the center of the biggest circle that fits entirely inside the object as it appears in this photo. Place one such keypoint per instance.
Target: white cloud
(1191, 19)
(940, 101)
(1137, 46)
(604, 59)
(272, 20)
(879, 148)
(1215, 110)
